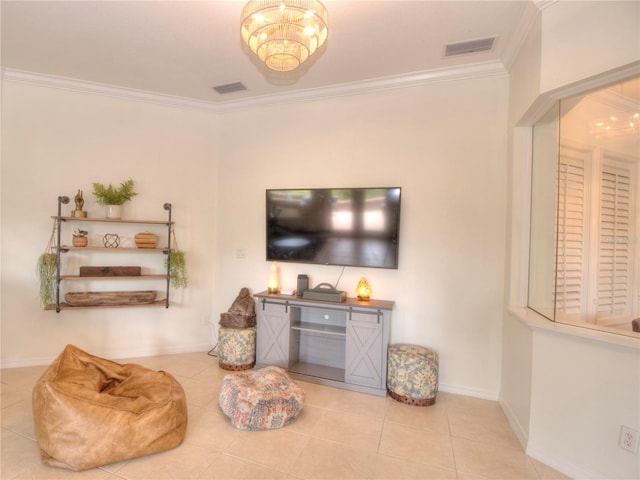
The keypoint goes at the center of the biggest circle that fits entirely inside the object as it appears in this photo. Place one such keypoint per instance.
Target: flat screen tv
(356, 227)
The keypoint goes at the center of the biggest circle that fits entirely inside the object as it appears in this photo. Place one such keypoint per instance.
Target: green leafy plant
(80, 233)
(175, 261)
(114, 196)
(46, 270)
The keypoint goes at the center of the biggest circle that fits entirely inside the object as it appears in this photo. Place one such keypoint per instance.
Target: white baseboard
(521, 432)
(561, 465)
(113, 355)
(469, 392)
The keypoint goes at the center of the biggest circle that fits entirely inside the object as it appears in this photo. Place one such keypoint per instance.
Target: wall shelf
(72, 250)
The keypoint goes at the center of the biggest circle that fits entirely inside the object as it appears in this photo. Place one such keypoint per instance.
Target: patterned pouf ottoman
(412, 374)
(261, 399)
(237, 348)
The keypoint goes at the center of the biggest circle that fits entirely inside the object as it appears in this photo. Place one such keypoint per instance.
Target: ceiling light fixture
(284, 33)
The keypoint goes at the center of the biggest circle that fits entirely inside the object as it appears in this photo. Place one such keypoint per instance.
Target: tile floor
(338, 435)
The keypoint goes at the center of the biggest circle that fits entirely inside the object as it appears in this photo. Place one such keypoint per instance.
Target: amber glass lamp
(363, 290)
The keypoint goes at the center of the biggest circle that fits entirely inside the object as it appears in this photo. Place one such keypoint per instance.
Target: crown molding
(356, 88)
(93, 88)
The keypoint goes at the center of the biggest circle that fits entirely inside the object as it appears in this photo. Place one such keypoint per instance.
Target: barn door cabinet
(341, 345)
(160, 276)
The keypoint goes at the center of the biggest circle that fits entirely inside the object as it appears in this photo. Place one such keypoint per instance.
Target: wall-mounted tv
(334, 226)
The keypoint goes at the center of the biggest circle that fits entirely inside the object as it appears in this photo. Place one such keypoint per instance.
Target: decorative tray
(77, 299)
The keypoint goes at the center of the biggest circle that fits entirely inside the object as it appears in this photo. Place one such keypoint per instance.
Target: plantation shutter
(570, 232)
(614, 249)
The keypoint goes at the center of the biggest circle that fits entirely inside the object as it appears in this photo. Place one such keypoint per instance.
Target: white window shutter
(614, 249)
(570, 232)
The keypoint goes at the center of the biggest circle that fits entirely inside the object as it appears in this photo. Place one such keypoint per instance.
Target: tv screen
(334, 226)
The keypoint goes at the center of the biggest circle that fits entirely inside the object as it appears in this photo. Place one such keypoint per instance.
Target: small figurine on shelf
(80, 238)
(78, 212)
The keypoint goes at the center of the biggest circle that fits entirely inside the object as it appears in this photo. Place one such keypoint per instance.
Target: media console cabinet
(339, 344)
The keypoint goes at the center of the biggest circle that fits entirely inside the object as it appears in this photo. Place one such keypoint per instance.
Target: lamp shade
(284, 33)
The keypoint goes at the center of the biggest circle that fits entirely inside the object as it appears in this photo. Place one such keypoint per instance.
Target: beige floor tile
(434, 417)
(338, 435)
(25, 462)
(417, 445)
(277, 449)
(198, 393)
(211, 430)
(306, 420)
(389, 468)
(322, 459)
(19, 418)
(357, 431)
(344, 400)
(491, 461)
(479, 420)
(226, 467)
(184, 462)
(545, 472)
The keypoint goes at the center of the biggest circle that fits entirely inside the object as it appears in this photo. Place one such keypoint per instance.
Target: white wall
(444, 144)
(584, 39)
(55, 142)
(566, 396)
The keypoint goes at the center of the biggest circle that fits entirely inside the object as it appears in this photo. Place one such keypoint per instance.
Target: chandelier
(284, 33)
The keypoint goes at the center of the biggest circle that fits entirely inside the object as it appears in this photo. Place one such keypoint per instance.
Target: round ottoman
(88, 411)
(237, 348)
(412, 374)
(262, 399)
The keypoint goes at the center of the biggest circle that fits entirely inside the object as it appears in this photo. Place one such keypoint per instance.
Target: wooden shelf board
(114, 249)
(64, 306)
(113, 220)
(349, 302)
(116, 277)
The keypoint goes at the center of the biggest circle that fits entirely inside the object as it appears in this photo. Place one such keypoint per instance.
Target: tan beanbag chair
(89, 411)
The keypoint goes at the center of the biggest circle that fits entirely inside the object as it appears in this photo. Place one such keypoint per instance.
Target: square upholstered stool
(261, 399)
(88, 411)
(237, 334)
(237, 348)
(412, 374)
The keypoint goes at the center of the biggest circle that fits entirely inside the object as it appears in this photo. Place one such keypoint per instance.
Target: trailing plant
(175, 261)
(80, 233)
(47, 276)
(176, 264)
(46, 270)
(114, 196)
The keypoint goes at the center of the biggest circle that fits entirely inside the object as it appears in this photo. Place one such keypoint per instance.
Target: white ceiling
(184, 48)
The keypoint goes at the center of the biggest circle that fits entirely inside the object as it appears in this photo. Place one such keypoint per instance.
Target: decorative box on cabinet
(342, 345)
(164, 277)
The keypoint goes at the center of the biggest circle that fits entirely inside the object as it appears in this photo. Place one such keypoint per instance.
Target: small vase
(114, 211)
(80, 241)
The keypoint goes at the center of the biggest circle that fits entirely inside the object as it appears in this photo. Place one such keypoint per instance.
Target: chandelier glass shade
(284, 33)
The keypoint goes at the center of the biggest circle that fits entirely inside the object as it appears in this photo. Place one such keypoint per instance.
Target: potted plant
(113, 197)
(80, 238)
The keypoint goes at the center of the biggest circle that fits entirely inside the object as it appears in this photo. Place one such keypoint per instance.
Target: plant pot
(80, 241)
(114, 211)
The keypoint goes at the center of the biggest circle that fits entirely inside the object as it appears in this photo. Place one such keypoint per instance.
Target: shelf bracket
(62, 199)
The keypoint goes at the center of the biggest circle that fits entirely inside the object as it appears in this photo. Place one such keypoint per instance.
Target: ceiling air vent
(230, 88)
(471, 46)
